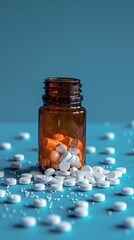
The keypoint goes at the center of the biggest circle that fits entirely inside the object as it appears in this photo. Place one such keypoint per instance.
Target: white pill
(24, 180)
(103, 184)
(43, 178)
(119, 173)
(109, 135)
(127, 191)
(56, 181)
(76, 162)
(87, 174)
(2, 193)
(105, 171)
(82, 180)
(92, 181)
(53, 219)
(64, 166)
(62, 173)
(13, 198)
(24, 135)
(10, 181)
(28, 221)
(72, 160)
(131, 124)
(28, 175)
(119, 206)
(69, 182)
(64, 226)
(40, 202)
(60, 177)
(97, 169)
(87, 168)
(109, 160)
(111, 175)
(109, 150)
(82, 203)
(65, 157)
(56, 187)
(5, 145)
(90, 149)
(35, 173)
(129, 222)
(61, 148)
(80, 212)
(50, 172)
(99, 176)
(74, 150)
(38, 187)
(1, 174)
(16, 165)
(73, 170)
(79, 174)
(85, 187)
(114, 181)
(98, 197)
(121, 169)
(18, 157)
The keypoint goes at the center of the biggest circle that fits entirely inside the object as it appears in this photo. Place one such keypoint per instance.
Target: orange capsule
(58, 137)
(54, 156)
(67, 140)
(49, 143)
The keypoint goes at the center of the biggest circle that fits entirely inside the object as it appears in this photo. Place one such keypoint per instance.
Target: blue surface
(99, 224)
(90, 40)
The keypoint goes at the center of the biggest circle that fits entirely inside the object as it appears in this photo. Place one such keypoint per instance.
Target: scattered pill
(121, 169)
(28, 175)
(111, 175)
(56, 187)
(28, 221)
(103, 184)
(39, 202)
(2, 193)
(39, 187)
(127, 191)
(90, 149)
(114, 181)
(97, 169)
(119, 173)
(23, 135)
(80, 212)
(64, 226)
(16, 165)
(53, 219)
(69, 182)
(99, 176)
(129, 222)
(50, 172)
(109, 135)
(18, 157)
(82, 204)
(119, 206)
(5, 145)
(87, 168)
(64, 166)
(109, 150)
(98, 197)
(109, 160)
(13, 198)
(1, 174)
(24, 180)
(85, 187)
(10, 181)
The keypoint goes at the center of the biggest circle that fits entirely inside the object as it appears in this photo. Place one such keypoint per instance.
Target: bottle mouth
(62, 90)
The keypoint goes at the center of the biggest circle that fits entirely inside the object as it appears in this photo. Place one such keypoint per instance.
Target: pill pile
(62, 152)
(69, 174)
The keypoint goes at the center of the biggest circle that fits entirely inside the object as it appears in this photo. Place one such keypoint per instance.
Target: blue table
(101, 223)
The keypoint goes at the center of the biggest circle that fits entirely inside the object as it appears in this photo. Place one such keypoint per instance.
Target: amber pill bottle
(62, 124)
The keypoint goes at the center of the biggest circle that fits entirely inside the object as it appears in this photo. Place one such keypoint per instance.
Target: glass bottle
(62, 125)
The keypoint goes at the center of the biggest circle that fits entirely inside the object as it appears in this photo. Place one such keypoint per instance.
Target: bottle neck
(62, 91)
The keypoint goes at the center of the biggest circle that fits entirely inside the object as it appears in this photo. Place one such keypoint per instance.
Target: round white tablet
(109, 160)
(129, 222)
(90, 149)
(74, 150)
(109, 150)
(82, 180)
(24, 135)
(127, 191)
(103, 184)
(53, 219)
(114, 181)
(87, 168)
(39, 187)
(2, 193)
(69, 182)
(39, 202)
(56, 187)
(111, 175)
(61, 148)
(98, 197)
(109, 135)
(99, 176)
(5, 145)
(65, 157)
(24, 180)
(10, 181)
(28, 221)
(18, 157)
(13, 198)
(85, 187)
(80, 212)
(121, 169)
(119, 206)
(50, 172)
(1, 174)
(64, 226)
(64, 166)
(82, 204)
(28, 175)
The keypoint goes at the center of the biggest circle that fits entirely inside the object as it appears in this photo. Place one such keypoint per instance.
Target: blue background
(90, 40)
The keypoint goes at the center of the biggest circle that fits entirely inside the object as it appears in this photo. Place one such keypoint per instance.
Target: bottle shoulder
(62, 108)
